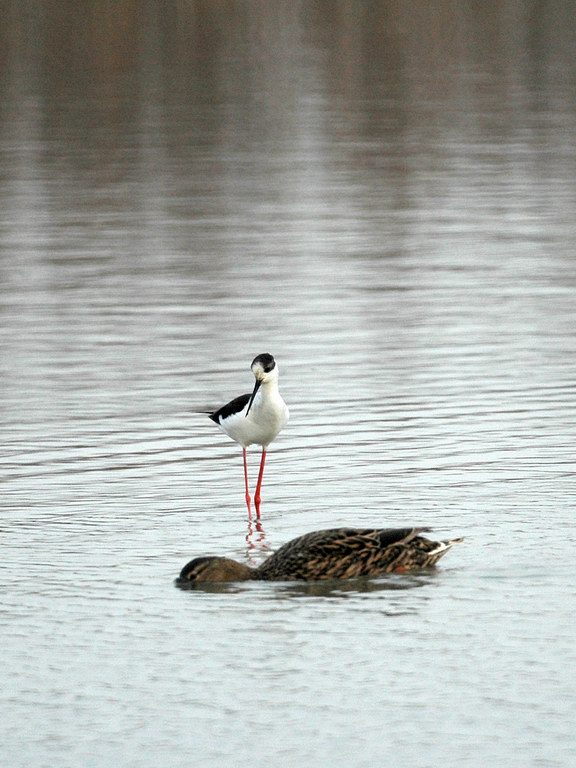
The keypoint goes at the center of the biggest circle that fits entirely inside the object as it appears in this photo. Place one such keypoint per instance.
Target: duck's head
(214, 569)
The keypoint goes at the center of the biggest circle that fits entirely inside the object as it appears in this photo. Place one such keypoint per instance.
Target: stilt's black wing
(234, 406)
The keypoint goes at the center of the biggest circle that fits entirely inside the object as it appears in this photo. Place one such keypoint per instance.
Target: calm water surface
(381, 196)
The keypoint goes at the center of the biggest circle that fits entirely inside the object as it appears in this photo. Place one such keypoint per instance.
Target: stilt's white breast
(268, 415)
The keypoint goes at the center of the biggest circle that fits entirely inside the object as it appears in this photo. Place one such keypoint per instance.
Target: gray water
(382, 195)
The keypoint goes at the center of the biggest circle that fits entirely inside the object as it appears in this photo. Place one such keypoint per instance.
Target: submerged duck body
(337, 553)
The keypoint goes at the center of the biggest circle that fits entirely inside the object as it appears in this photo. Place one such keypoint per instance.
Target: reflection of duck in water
(338, 553)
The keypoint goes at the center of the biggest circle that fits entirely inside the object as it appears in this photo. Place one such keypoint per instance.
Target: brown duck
(337, 553)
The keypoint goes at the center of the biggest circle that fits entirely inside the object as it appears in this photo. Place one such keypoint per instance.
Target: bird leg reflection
(255, 528)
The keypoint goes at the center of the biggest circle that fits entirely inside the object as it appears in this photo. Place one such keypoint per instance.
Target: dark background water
(382, 195)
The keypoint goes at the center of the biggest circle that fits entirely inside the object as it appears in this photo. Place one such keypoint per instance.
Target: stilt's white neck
(270, 385)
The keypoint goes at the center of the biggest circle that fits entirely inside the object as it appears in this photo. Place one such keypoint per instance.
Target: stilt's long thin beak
(256, 388)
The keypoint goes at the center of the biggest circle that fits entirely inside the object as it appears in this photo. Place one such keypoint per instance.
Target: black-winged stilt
(255, 418)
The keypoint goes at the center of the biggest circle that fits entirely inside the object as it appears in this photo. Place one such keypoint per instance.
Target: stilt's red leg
(259, 484)
(246, 488)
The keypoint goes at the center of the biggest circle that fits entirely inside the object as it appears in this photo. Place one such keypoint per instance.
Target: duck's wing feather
(339, 553)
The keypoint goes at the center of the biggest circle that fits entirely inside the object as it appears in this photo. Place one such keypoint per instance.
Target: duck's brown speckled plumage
(338, 553)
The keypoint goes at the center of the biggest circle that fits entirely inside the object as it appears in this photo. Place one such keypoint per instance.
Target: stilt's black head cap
(266, 361)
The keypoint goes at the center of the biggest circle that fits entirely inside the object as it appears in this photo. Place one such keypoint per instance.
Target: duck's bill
(256, 388)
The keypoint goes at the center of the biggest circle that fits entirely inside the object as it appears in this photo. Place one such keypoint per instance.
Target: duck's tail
(441, 549)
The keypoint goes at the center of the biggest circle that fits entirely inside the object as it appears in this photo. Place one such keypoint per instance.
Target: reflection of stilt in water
(256, 535)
